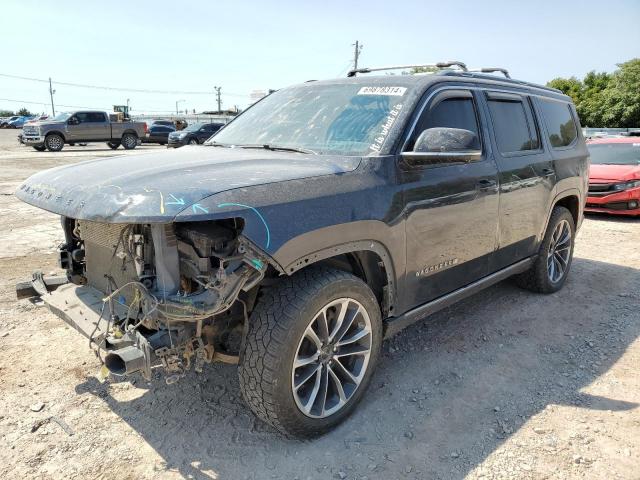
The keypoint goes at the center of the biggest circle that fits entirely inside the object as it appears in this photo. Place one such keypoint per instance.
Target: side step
(396, 324)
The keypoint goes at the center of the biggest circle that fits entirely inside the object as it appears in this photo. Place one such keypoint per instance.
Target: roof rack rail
(439, 66)
(504, 71)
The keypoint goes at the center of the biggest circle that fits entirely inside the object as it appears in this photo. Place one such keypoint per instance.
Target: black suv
(323, 219)
(193, 134)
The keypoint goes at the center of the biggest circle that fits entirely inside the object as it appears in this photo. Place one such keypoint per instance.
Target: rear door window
(96, 117)
(513, 123)
(561, 126)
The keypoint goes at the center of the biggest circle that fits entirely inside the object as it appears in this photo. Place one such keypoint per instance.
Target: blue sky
(245, 46)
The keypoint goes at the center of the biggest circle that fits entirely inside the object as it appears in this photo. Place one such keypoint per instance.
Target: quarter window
(514, 125)
(560, 124)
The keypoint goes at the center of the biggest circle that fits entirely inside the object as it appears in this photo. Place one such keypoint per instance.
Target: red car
(614, 176)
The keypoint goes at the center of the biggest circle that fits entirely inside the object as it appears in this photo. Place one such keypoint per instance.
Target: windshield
(342, 118)
(61, 117)
(193, 127)
(615, 153)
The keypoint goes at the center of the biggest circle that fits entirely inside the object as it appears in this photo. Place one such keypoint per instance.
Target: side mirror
(73, 121)
(445, 145)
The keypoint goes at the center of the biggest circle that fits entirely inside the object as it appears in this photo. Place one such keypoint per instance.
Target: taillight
(146, 128)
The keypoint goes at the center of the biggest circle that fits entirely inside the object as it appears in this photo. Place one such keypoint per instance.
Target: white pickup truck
(82, 127)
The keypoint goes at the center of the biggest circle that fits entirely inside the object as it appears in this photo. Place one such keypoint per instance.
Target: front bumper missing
(80, 307)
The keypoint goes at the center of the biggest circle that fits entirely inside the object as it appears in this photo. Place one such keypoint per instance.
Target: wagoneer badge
(434, 268)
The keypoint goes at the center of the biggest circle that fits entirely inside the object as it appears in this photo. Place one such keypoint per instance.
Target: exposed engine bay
(173, 295)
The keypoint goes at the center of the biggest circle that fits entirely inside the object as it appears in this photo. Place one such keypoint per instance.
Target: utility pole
(51, 92)
(217, 89)
(178, 101)
(356, 54)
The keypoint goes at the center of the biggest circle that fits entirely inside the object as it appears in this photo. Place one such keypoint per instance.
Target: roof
(423, 81)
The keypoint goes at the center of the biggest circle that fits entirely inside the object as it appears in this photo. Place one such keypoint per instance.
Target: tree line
(23, 112)
(606, 100)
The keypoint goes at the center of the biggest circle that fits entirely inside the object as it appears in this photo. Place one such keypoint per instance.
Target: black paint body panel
(297, 205)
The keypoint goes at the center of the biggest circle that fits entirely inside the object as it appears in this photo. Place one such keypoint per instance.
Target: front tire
(54, 142)
(113, 145)
(551, 268)
(129, 141)
(193, 141)
(312, 344)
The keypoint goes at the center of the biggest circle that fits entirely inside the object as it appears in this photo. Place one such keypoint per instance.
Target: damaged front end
(171, 295)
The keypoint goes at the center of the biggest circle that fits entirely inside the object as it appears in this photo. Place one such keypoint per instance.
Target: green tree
(569, 86)
(603, 99)
(621, 98)
(6, 113)
(24, 112)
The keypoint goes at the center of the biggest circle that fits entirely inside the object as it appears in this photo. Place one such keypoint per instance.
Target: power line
(29, 102)
(116, 89)
(44, 103)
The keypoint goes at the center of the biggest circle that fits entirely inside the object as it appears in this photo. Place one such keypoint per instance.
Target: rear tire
(129, 141)
(551, 268)
(286, 327)
(54, 142)
(193, 141)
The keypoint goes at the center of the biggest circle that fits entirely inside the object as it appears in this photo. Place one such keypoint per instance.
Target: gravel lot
(506, 384)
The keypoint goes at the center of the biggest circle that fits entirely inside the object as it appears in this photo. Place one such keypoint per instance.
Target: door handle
(485, 184)
(547, 172)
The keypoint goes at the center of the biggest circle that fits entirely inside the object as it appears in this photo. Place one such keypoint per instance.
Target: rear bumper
(626, 202)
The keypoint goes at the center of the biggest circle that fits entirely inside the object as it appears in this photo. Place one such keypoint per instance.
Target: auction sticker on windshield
(389, 91)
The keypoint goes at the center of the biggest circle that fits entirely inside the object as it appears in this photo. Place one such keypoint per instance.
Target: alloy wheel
(332, 358)
(559, 251)
(54, 142)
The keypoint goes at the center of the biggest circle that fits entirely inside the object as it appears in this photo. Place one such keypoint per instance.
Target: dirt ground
(506, 384)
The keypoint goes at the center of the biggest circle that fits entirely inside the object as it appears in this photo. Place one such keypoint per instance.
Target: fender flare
(570, 192)
(57, 132)
(374, 246)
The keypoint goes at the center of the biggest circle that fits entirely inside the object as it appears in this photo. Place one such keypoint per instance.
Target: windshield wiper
(216, 144)
(267, 146)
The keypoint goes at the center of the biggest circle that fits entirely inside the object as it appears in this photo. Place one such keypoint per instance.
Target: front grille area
(103, 258)
(600, 189)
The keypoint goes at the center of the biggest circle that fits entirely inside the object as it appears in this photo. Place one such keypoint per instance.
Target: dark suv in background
(324, 218)
(193, 134)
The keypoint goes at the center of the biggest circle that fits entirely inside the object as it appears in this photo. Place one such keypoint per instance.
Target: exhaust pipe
(125, 361)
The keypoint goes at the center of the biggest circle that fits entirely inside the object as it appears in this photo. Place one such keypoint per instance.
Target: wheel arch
(56, 132)
(368, 260)
(570, 199)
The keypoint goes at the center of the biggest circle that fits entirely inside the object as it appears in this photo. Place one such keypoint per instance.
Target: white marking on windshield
(388, 91)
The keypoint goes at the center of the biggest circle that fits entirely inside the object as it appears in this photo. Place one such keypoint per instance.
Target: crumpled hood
(156, 187)
(614, 173)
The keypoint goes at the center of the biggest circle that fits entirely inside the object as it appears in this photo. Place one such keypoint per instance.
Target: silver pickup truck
(82, 127)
